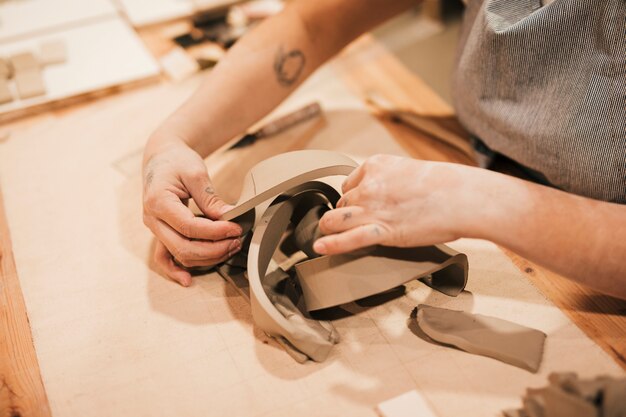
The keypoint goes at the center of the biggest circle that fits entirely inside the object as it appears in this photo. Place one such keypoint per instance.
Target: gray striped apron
(545, 85)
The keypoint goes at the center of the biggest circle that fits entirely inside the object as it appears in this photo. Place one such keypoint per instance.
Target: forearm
(577, 237)
(267, 65)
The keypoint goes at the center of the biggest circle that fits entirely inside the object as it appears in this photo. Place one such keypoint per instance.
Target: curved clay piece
(329, 281)
(310, 340)
(483, 335)
(274, 176)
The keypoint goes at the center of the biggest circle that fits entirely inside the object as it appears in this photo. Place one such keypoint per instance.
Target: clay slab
(5, 93)
(30, 83)
(483, 335)
(120, 57)
(24, 61)
(53, 52)
(6, 69)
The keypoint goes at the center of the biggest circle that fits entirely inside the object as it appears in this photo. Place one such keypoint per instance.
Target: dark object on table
(280, 125)
(569, 396)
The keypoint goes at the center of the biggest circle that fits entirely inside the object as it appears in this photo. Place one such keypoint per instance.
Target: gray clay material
(483, 335)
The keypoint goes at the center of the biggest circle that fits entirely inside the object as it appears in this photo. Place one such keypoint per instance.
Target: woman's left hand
(395, 201)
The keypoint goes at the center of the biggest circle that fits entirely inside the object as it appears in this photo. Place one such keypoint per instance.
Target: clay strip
(329, 281)
(483, 335)
(276, 175)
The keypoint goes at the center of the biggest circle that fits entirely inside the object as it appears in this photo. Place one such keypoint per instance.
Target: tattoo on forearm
(288, 66)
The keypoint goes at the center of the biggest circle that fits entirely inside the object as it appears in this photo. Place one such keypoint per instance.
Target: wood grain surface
(21, 390)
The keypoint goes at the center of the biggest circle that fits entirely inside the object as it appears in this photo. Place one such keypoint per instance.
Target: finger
(353, 179)
(205, 263)
(359, 237)
(342, 219)
(185, 250)
(165, 263)
(203, 193)
(180, 218)
(349, 198)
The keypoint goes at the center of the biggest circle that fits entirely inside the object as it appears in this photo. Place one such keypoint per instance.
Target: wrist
(499, 208)
(162, 139)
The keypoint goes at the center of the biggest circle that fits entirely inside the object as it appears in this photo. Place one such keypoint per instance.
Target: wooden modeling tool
(422, 124)
(280, 125)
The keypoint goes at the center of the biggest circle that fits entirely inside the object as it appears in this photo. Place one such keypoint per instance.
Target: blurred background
(55, 52)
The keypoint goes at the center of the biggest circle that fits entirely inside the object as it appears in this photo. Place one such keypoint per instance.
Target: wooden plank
(21, 389)
(601, 317)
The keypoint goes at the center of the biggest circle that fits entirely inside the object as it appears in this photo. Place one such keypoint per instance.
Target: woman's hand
(395, 201)
(173, 174)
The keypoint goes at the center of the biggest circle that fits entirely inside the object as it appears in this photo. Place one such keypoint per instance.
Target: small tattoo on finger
(347, 215)
(209, 190)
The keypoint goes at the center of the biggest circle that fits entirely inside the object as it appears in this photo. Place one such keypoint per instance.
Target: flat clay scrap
(24, 61)
(483, 335)
(52, 52)
(5, 93)
(30, 83)
(569, 396)
(6, 69)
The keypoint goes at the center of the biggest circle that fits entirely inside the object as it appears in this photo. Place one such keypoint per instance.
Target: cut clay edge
(531, 363)
(265, 239)
(287, 171)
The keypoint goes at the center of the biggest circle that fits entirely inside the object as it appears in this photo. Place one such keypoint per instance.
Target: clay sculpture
(282, 200)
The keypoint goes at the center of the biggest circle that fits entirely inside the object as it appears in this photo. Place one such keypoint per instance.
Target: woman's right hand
(173, 174)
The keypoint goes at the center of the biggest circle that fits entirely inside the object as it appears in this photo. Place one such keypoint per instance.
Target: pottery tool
(280, 125)
(422, 124)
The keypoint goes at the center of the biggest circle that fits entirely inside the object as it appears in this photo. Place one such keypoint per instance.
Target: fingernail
(234, 245)
(319, 247)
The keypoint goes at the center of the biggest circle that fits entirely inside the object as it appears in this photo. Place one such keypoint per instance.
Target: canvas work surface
(115, 338)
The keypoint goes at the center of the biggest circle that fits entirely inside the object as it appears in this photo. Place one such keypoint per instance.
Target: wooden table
(367, 66)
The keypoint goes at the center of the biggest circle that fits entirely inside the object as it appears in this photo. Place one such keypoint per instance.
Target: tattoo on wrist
(288, 66)
(149, 178)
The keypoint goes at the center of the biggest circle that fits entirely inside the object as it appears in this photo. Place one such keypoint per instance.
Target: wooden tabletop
(602, 318)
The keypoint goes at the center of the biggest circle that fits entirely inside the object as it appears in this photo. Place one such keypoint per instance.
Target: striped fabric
(545, 85)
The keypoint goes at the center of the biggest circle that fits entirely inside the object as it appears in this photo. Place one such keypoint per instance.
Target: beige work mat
(113, 338)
